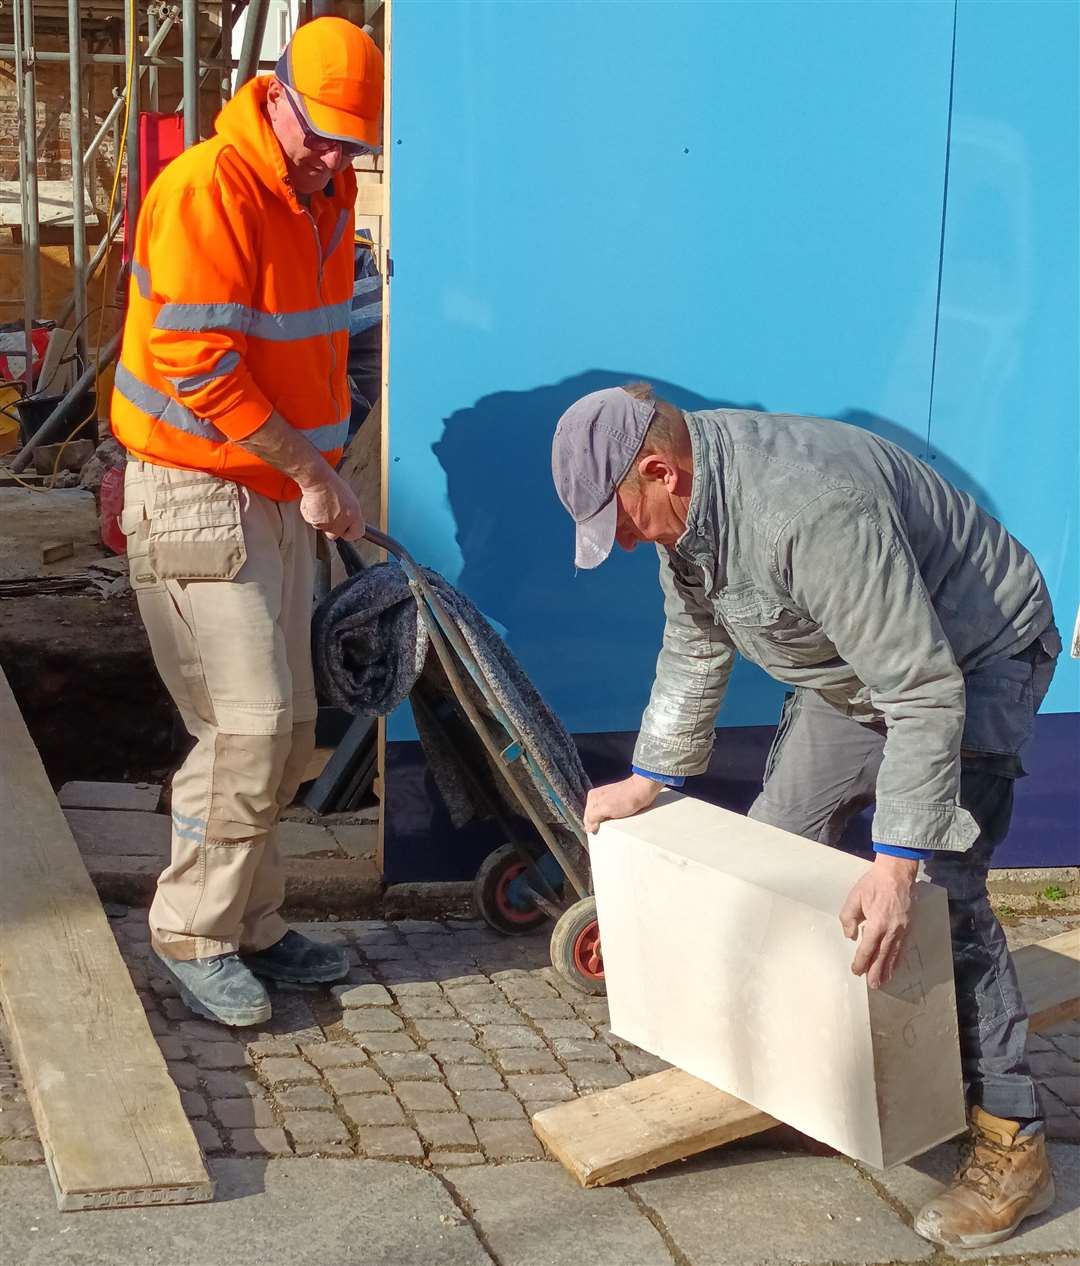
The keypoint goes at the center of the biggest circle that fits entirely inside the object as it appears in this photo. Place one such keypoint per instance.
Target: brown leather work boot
(1003, 1177)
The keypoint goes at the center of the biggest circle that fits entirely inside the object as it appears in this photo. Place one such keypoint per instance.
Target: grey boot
(299, 961)
(220, 988)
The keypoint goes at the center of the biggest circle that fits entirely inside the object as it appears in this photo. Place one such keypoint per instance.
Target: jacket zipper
(322, 296)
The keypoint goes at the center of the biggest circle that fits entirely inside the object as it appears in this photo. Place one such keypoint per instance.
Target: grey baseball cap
(595, 444)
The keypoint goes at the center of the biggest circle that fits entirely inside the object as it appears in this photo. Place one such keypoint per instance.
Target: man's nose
(333, 159)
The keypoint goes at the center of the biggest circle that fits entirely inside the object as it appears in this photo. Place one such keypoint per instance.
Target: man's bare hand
(619, 800)
(881, 904)
(331, 507)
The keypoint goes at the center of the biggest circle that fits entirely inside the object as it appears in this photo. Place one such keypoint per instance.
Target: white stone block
(723, 955)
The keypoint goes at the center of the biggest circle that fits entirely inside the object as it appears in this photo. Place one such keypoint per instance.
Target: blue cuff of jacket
(912, 854)
(669, 780)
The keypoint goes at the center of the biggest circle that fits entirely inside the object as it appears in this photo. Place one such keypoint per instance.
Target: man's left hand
(881, 904)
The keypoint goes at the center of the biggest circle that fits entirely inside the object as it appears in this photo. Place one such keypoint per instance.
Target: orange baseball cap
(336, 70)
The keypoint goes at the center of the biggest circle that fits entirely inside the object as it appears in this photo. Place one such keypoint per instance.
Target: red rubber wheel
(491, 891)
(576, 953)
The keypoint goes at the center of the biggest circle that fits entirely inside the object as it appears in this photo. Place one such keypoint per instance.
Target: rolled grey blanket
(370, 645)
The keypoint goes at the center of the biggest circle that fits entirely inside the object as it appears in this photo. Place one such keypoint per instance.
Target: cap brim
(596, 536)
(337, 125)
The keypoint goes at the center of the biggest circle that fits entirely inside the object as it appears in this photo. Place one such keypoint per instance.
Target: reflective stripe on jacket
(238, 305)
(838, 562)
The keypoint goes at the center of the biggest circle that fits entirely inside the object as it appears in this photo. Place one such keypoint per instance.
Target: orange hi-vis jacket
(238, 305)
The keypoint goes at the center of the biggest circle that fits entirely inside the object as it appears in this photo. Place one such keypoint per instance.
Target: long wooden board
(634, 1128)
(108, 1114)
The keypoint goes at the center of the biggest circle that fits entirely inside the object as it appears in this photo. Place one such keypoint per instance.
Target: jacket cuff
(669, 780)
(909, 824)
(659, 755)
(911, 854)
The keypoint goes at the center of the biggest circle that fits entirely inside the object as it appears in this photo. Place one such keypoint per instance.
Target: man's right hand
(331, 506)
(619, 800)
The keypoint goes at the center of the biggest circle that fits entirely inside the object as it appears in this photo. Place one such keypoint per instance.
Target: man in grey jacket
(918, 639)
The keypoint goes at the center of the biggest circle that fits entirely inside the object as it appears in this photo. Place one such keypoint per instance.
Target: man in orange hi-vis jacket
(232, 401)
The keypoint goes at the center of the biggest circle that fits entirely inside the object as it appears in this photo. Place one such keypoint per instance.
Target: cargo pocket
(136, 529)
(195, 531)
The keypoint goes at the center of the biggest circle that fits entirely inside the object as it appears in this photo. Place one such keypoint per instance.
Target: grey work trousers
(822, 769)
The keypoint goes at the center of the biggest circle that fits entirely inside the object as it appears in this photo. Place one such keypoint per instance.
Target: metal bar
(152, 77)
(23, 18)
(254, 29)
(24, 198)
(52, 423)
(225, 46)
(92, 266)
(191, 73)
(131, 48)
(78, 211)
(118, 105)
(164, 61)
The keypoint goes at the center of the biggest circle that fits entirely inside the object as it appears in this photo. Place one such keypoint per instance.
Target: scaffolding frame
(147, 24)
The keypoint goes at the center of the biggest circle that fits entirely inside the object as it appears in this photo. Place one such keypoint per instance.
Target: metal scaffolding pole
(191, 73)
(226, 47)
(131, 48)
(78, 213)
(26, 109)
(152, 77)
(254, 28)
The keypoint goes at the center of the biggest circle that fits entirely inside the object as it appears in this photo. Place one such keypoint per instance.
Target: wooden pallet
(108, 1114)
(634, 1128)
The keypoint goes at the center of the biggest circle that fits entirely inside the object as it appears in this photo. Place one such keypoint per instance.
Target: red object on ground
(110, 504)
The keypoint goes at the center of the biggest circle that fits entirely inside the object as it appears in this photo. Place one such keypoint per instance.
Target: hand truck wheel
(575, 947)
(496, 895)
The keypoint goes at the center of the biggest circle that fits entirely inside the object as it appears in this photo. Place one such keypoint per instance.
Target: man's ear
(656, 468)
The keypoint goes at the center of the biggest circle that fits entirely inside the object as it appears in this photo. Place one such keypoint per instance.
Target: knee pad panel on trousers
(246, 778)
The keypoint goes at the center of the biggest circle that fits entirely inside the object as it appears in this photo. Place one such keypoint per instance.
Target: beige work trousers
(224, 580)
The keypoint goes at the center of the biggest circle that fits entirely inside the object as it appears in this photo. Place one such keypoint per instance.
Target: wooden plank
(1049, 974)
(370, 198)
(669, 1116)
(643, 1124)
(108, 1114)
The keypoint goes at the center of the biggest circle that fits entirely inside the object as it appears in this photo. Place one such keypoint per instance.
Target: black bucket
(34, 411)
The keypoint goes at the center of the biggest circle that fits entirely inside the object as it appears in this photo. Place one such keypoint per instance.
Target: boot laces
(983, 1161)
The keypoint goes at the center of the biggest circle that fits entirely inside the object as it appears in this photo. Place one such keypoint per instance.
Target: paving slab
(132, 796)
(533, 1214)
(757, 1208)
(121, 833)
(1056, 1231)
(274, 1213)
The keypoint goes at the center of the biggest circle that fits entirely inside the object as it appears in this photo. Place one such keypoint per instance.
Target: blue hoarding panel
(739, 202)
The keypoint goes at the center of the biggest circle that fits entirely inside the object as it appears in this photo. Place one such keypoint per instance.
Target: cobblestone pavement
(433, 1055)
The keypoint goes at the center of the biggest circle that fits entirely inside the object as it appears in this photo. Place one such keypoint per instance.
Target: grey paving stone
(174, 1009)
(445, 1129)
(1066, 1088)
(362, 995)
(425, 1007)
(293, 1017)
(490, 1105)
(457, 1053)
(546, 1009)
(388, 952)
(541, 1086)
(641, 1063)
(455, 984)
(1053, 1232)
(484, 1013)
(508, 1140)
(570, 1048)
(244, 1114)
(411, 1067)
(510, 1037)
(334, 1054)
(261, 1142)
(127, 796)
(1063, 1125)
(473, 1077)
(172, 1048)
(323, 1149)
(324, 933)
(208, 1137)
(534, 1215)
(526, 1061)
(397, 1141)
(823, 1211)
(589, 1076)
(356, 1081)
(316, 1127)
(372, 1020)
(218, 1054)
(453, 1160)
(372, 1109)
(275, 1071)
(301, 1098)
(291, 1212)
(565, 1028)
(389, 1043)
(444, 1030)
(418, 989)
(425, 1096)
(202, 1031)
(193, 1103)
(17, 1122)
(22, 1152)
(226, 1085)
(270, 1046)
(186, 1076)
